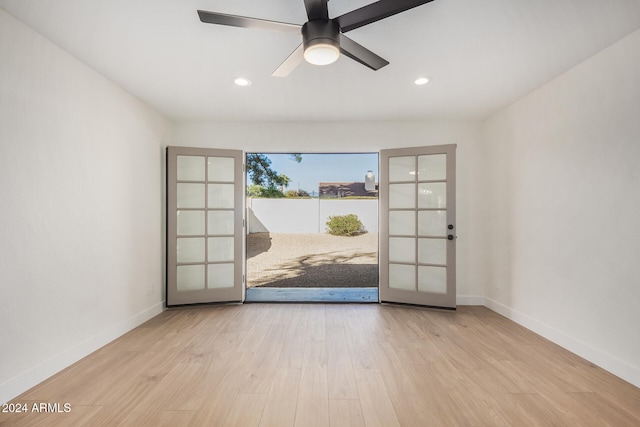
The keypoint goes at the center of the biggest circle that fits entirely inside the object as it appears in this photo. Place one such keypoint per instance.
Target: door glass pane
(402, 277)
(220, 222)
(432, 251)
(190, 277)
(220, 249)
(432, 279)
(432, 223)
(220, 276)
(432, 167)
(190, 196)
(190, 249)
(402, 168)
(402, 249)
(190, 168)
(220, 169)
(220, 196)
(432, 195)
(190, 223)
(402, 196)
(402, 223)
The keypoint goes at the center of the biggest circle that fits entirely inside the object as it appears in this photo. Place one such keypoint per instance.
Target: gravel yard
(312, 260)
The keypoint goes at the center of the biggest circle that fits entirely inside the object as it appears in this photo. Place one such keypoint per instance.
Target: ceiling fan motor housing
(321, 31)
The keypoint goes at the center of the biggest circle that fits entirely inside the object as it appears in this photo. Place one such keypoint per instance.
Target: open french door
(417, 226)
(205, 225)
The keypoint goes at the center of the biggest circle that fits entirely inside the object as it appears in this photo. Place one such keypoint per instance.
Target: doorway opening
(207, 224)
(312, 227)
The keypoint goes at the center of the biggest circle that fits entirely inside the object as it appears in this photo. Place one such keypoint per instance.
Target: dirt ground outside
(312, 260)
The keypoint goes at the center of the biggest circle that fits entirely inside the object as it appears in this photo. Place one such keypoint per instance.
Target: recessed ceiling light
(241, 81)
(420, 81)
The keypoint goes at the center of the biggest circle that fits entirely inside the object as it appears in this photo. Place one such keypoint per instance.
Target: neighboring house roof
(344, 189)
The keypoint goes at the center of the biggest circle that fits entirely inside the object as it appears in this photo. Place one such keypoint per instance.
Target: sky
(315, 168)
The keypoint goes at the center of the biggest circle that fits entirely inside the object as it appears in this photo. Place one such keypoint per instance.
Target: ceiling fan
(323, 38)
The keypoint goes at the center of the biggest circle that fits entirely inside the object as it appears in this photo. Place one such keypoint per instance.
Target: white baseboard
(606, 361)
(469, 300)
(26, 380)
(36, 375)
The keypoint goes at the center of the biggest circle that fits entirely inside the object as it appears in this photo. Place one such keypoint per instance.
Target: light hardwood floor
(332, 365)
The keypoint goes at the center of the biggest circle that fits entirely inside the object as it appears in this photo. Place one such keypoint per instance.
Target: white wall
(81, 209)
(563, 230)
(282, 215)
(353, 137)
(306, 215)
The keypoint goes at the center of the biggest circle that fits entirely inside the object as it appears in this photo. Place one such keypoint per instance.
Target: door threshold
(361, 295)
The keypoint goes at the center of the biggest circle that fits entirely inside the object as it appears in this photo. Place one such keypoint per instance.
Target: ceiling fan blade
(316, 9)
(244, 22)
(289, 64)
(359, 53)
(374, 12)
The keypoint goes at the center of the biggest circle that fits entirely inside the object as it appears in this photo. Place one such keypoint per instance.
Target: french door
(417, 226)
(205, 225)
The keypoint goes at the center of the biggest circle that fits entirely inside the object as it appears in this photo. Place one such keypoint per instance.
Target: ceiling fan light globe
(321, 54)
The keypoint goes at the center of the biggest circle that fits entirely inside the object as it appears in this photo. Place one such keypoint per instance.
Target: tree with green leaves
(266, 181)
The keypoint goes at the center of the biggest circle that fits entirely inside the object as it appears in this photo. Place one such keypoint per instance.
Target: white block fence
(305, 216)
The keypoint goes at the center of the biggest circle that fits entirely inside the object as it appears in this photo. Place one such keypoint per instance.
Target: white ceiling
(481, 55)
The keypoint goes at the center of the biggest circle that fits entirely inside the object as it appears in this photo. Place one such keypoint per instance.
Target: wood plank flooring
(331, 365)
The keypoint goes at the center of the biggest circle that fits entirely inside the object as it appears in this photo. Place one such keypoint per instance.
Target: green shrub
(294, 193)
(255, 190)
(345, 225)
(271, 193)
